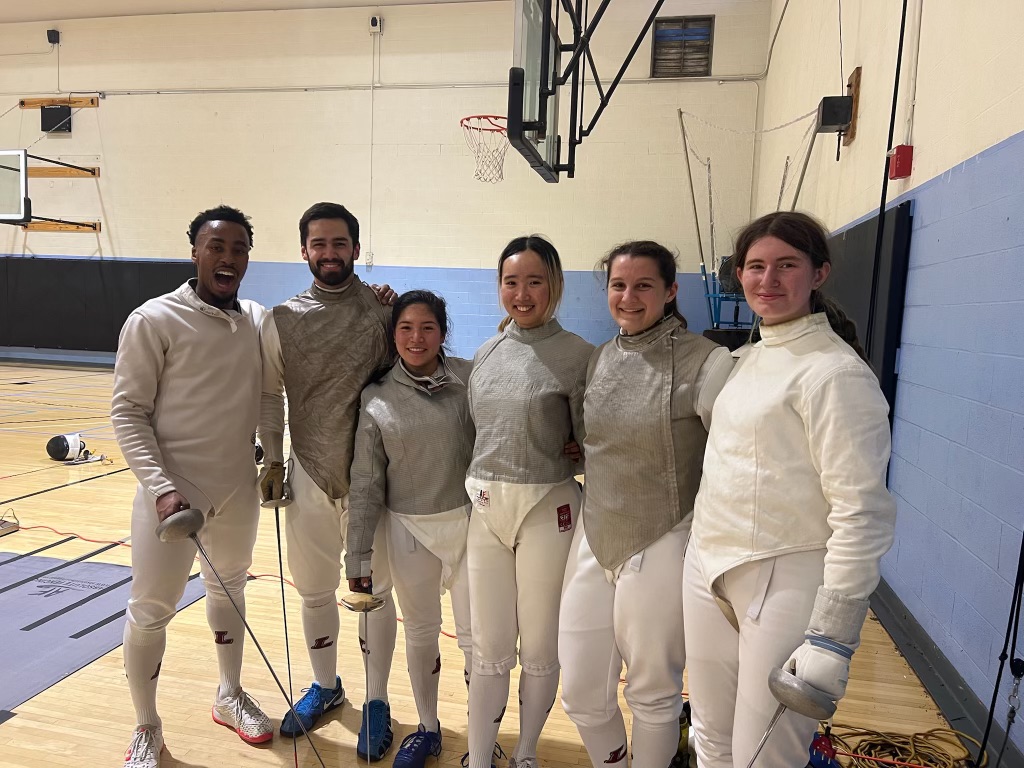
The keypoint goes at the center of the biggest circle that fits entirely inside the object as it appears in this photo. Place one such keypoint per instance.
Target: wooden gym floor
(87, 718)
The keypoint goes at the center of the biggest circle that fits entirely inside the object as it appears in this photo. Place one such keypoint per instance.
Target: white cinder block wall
(394, 154)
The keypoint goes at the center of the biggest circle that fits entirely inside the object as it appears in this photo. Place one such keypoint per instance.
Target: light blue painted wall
(472, 295)
(958, 439)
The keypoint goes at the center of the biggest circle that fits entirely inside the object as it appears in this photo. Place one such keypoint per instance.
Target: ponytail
(843, 326)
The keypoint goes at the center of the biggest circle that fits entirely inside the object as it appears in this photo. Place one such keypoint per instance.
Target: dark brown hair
(659, 254)
(807, 235)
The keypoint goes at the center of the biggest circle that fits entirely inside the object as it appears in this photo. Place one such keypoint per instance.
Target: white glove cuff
(837, 618)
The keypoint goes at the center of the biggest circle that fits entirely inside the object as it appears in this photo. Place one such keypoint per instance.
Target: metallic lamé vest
(331, 343)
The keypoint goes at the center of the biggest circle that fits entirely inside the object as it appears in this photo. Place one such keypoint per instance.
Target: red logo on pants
(564, 518)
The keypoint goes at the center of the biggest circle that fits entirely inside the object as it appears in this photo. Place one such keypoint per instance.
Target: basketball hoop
(486, 135)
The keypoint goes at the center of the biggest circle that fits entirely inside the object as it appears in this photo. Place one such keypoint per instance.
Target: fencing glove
(833, 634)
(272, 481)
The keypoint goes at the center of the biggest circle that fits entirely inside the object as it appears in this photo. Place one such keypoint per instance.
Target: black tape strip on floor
(112, 617)
(72, 607)
(37, 551)
(63, 565)
(56, 487)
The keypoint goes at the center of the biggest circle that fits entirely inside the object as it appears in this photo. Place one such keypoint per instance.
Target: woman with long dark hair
(793, 514)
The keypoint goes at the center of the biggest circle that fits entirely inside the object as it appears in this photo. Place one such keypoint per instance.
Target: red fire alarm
(901, 159)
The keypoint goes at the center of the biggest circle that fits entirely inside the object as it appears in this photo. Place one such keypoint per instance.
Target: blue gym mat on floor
(58, 616)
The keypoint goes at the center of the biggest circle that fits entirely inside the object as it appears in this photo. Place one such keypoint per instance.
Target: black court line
(57, 487)
(72, 607)
(112, 617)
(41, 421)
(41, 549)
(46, 379)
(56, 568)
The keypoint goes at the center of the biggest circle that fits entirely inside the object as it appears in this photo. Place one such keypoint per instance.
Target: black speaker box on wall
(55, 118)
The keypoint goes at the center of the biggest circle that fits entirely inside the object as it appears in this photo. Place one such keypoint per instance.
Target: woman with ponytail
(526, 399)
(647, 409)
(793, 514)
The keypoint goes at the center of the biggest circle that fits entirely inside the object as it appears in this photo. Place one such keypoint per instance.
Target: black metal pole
(880, 229)
(625, 64)
(90, 171)
(584, 41)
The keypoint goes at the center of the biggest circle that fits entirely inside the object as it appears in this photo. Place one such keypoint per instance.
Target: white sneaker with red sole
(144, 751)
(243, 714)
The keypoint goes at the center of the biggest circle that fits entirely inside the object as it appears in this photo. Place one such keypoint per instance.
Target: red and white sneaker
(144, 751)
(243, 713)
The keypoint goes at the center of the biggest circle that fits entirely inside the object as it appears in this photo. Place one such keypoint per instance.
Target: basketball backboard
(532, 91)
(537, 74)
(14, 203)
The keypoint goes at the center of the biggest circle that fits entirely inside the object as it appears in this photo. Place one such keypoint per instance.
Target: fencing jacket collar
(440, 378)
(190, 296)
(330, 295)
(647, 338)
(780, 333)
(532, 335)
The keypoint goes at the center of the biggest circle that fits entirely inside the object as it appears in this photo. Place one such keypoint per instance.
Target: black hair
(661, 256)
(438, 308)
(220, 213)
(328, 211)
(552, 263)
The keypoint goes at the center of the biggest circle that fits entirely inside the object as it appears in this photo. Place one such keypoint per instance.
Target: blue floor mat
(57, 617)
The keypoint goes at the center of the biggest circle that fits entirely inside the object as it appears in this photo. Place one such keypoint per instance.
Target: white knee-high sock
(320, 625)
(606, 744)
(654, 744)
(424, 673)
(379, 647)
(488, 697)
(143, 654)
(536, 698)
(229, 638)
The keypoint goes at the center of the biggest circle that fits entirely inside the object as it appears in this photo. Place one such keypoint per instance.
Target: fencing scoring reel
(69, 447)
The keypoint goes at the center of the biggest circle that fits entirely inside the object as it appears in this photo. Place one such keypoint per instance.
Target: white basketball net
(487, 137)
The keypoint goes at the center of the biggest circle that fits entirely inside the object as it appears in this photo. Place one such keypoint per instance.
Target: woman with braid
(793, 515)
(647, 410)
(526, 397)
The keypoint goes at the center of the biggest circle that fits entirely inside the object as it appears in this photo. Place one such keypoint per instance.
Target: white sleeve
(710, 379)
(271, 427)
(137, 370)
(846, 418)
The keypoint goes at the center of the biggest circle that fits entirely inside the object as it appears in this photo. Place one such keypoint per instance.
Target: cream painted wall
(393, 153)
(968, 96)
